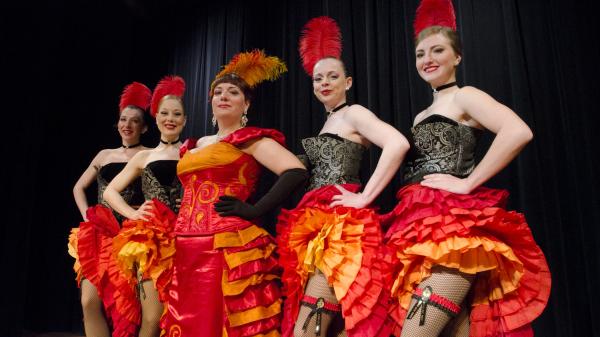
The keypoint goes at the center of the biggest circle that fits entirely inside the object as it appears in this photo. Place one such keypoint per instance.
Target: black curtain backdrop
(66, 62)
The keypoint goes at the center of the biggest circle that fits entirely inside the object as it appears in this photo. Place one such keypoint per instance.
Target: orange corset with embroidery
(216, 170)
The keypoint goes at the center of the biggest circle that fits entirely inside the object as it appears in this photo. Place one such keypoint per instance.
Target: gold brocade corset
(333, 160)
(159, 181)
(216, 170)
(440, 145)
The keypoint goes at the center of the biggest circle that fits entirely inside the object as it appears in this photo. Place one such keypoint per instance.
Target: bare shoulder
(202, 143)
(139, 159)
(357, 112)
(468, 94)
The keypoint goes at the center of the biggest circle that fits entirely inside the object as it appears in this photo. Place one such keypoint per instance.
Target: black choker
(170, 143)
(131, 146)
(336, 109)
(442, 87)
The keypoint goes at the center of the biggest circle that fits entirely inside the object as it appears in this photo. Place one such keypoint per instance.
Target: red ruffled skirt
(91, 246)
(474, 234)
(224, 284)
(144, 250)
(345, 244)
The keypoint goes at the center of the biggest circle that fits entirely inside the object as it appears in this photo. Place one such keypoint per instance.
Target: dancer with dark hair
(330, 244)
(144, 247)
(225, 275)
(460, 254)
(91, 243)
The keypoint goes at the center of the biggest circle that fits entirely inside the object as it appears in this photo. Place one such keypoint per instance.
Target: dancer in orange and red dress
(460, 253)
(145, 246)
(225, 275)
(330, 244)
(91, 243)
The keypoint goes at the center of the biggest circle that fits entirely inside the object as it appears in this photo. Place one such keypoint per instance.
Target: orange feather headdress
(253, 67)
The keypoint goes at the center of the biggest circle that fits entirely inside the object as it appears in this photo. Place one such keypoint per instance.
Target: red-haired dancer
(144, 247)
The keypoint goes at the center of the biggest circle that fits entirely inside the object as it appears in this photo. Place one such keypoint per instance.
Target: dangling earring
(214, 121)
(244, 119)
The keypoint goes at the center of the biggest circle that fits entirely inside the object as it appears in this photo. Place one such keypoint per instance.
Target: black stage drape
(68, 60)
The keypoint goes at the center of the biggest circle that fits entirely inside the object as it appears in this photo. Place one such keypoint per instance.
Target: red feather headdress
(434, 13)
(169, 85)
(135, 94)
(253, 67)
(321, 38)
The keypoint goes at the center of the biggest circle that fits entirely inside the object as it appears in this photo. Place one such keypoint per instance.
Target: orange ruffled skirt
(345, 244)
(91, 246)
(144, 250)
(224, 284)
(474, 234)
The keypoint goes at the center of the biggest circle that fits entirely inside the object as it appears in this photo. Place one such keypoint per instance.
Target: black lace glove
(283, 187)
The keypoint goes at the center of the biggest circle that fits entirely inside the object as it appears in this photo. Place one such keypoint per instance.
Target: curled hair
(447, 32)
(233, 78)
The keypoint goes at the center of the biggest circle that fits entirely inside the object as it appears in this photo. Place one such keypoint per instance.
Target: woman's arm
(512, 134)
(88, 176)
(280, 161)
(112, 193)
(394, 147)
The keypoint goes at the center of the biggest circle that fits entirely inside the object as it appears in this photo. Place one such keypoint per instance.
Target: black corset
(132, 194)
(160, 181)
(440, 145)
(333, 160)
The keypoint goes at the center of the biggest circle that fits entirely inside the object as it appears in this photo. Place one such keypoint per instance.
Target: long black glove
(283, 187)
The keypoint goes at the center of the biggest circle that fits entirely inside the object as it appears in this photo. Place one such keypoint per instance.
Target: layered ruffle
(92, 245)
(475, 235)
(225, 284)
(145, 249)
(345, 244)
(72, 250)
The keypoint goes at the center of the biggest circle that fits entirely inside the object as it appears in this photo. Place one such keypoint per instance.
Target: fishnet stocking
(445, 282)
(152, 309)
(94, 322)
(331, 325)
(459, 326)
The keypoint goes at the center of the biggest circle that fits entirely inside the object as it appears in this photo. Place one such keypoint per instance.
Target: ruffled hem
(345, 244)
(92, 244)
(251, 295)
(72, 250)
(148, 247)
(473, 234)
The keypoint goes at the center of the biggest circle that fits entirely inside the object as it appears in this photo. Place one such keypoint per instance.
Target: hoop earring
(244, 119)
(214, 121)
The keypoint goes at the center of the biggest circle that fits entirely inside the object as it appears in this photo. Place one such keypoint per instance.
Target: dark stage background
(64, 63)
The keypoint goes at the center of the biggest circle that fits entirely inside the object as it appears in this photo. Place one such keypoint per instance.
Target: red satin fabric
(224, 276)
(195, 297)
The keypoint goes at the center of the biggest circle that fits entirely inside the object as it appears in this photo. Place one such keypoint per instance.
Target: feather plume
(253, 67)
(434, 13)
(321, 37)
(135, 94)
(169, 85)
